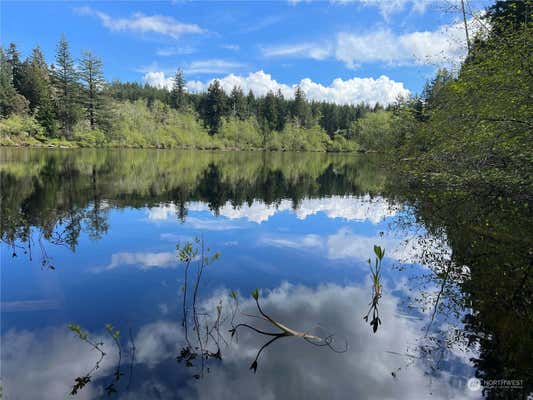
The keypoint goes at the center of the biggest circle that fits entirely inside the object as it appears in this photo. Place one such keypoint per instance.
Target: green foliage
(20, 127)
(85, 136)
(474, 127)
(375, 131)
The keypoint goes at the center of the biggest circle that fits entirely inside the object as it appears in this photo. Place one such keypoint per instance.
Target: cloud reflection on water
(42, 365)
(352, 208)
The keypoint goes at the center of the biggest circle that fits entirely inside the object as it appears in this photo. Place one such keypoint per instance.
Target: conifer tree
(65, 81)
(300, 110)
(37, 89)
(92, 77)
(214, 108)
(15, 63)
(238, 103)
(10, 101)
(178, 95)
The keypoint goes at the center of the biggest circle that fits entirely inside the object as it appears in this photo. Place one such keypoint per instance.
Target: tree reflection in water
(476, 288)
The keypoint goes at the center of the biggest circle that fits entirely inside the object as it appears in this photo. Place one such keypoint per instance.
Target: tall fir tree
(238, 103)
(10, 101)
(269, 112)
(300, 108)
(65, 81)
(15, 63)
(92, 78)
(37, 88)
(178, 94)
(250, 104)
(214, 107)
(281, 108)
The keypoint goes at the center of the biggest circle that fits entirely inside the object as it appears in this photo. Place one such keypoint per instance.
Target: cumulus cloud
(382, 90)
(140, 23)
(158, 79)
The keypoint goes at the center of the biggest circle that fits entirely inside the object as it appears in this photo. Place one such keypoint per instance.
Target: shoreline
(62, 146)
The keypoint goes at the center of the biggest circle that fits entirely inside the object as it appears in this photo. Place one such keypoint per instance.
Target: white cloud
(346, 244)
(261, 24)
(352, 208)
(307, 50)
(214, 66)
(158, 79)
(351, 91)
(310, 241)
(140, 23)
(157, 341)
(389, 7)
(155, 76)
(364, 371)
(43, 364)
(202, 224)
(444, 46)
(143, 261)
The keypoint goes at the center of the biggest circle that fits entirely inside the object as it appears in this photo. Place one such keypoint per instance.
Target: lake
(196, 274)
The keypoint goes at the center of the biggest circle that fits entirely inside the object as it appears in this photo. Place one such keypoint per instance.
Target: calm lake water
(89, 237)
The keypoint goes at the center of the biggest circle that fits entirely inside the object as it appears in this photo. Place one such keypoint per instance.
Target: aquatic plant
(377, 287)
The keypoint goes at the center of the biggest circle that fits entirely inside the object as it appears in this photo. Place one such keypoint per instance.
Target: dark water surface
(89, 238)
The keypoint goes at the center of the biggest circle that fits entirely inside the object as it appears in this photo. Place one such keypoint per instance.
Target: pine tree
(13, 59)
(238, 103)
(214, 107)
(250, 104)
(92, 77)
(65, 80)
(300, 110)
(269, 111)
(178, 95)
(281, 108)
(37, 88)
(10, 101)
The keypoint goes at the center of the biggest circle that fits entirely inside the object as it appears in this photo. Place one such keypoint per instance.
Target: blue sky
(342, 51)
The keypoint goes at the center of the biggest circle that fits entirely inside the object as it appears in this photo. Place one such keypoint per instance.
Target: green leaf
(255, 294)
